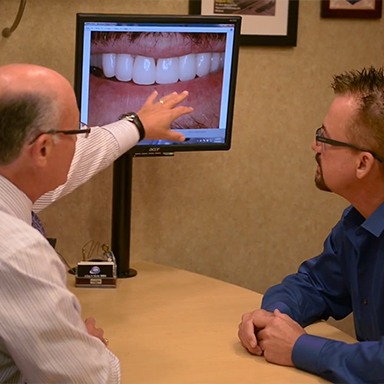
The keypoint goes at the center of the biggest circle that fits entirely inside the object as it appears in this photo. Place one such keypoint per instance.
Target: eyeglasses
(83, 130)
(319, 137)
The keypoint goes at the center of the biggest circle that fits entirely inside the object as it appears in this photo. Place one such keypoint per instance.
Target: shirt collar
(373, 224)
(14, 202)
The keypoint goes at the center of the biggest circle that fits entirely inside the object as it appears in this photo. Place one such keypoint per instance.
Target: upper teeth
(147, 70)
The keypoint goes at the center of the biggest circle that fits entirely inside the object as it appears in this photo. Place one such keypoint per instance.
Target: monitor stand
(121, 215)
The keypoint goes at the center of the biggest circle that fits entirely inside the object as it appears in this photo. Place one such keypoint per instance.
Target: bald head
(22, 78)
(33, 99)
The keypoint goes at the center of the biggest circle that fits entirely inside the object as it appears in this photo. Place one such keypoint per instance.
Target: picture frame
(277, 29)
(361, 9)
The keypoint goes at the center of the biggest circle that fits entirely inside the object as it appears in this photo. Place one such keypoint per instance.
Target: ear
(41, 149)
(365, 164)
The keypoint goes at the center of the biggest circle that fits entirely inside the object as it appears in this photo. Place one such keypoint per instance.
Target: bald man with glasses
(348, 275)
(45, 153)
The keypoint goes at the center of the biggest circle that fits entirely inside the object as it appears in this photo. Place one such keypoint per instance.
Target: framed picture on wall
(264, 22)
(362, 9)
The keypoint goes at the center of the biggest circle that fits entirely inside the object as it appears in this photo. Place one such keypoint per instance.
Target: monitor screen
(121, 59)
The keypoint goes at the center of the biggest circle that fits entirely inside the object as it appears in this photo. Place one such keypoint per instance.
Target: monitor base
(126, 274)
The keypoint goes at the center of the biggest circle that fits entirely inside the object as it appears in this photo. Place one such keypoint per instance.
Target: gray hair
(23, 116)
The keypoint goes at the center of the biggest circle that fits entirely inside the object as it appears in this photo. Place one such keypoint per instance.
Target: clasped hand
(270, 334)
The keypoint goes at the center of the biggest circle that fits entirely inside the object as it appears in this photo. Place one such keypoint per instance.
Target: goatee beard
(319, 179)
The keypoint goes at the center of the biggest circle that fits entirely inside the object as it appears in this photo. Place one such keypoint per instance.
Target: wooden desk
(170, 326)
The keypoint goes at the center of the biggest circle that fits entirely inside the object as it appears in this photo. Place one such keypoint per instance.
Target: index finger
(174, 98)
(151, 98)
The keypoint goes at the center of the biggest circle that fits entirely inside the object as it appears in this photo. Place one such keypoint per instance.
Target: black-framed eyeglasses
(83, 130)
(319, 137)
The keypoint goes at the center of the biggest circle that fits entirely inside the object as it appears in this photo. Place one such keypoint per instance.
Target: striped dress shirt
(43, 338)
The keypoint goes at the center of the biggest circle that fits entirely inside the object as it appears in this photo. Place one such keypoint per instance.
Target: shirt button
(365, 301)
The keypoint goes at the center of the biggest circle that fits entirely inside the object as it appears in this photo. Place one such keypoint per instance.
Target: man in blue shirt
(348, 276)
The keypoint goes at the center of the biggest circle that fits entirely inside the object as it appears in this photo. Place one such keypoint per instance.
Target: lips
(109, 99)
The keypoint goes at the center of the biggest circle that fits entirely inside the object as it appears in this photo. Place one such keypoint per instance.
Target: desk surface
(172, 326)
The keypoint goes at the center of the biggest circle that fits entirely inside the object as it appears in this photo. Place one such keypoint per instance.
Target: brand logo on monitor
(154, 149)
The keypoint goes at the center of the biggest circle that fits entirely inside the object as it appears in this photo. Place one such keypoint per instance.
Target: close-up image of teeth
(148, 70)
(126, 67)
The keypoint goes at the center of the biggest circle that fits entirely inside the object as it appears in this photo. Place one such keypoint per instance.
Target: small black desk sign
(99, 271)
(96, 274)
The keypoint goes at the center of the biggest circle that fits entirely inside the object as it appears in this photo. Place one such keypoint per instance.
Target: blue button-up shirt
(348, 276)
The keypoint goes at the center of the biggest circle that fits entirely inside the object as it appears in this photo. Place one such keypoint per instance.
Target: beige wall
(247, 216)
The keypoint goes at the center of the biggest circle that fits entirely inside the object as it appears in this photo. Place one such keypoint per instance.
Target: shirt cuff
(125, 133)
(306, 352)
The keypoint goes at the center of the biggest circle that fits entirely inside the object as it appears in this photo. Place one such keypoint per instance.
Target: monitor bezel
(168, 149)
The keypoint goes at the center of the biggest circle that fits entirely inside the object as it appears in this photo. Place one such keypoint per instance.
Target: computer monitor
(122, 58)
